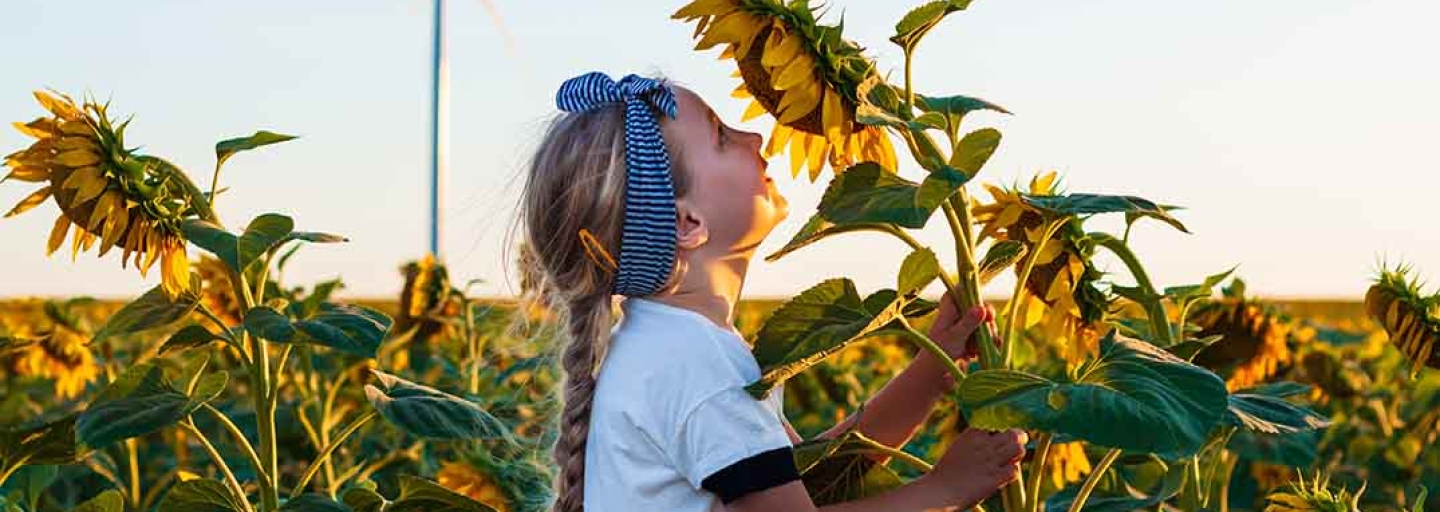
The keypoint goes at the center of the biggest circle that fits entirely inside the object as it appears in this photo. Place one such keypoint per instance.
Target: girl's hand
(955, 333)
(976, 465)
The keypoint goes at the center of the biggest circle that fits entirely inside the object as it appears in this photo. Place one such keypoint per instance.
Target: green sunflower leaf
(1264, 409)
(421, 495)
(354, 329)
(153, 309)
(200, 495)
(266, 323)
(1088, 204)
(1131, 499)
(816, 229)
(1172, 404)
(132, 407)
(867, 193)
(108, 501)
(49, 443)
(816, 324)
(1001, 255)
(430, 413)
(918, 270)
(920, 20)
(314, 502)
(840, 470)
(190, 336)
(227, 148)
(974, 150)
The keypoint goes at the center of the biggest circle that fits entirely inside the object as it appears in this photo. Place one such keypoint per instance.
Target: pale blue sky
(1299, 134)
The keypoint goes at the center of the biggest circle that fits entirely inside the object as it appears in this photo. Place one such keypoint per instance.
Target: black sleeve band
(762, 471)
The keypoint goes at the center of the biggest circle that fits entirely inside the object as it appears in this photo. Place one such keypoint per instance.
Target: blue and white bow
(647, 239)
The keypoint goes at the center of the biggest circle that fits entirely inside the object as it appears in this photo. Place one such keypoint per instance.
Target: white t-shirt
(670, 409)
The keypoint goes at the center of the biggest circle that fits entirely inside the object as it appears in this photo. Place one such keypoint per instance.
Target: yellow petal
(740, 92)
(103, 208)
(78, 178)
(795, 72)
(76, 158)
(57, 234)
(76, 127)
(700, 24)
(798, 102)
(88, 241)
(780, 49)
(64, 109)
(704, 8)
(815, 155)
(754, 110)
(114, 227)
(133, 238)
(728, 29)
(747, 39)
(779, 137)
(175, 276)
(728, 52)
(72, 142)
(30, 201)
(27, 173)
(77, 239)
(90, 187)
(39, 128)
(1041, 184)
(152, 249)
(832, 116)
(798, 148)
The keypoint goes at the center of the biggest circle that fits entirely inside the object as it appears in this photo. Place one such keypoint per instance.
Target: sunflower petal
(76, 158)
(114, 227)
(798, 148)
(27, 173)
(779, 137)
(40, 128)
(728, 29)
(705, 8)
(815, 155)
(81, 177)
(832, 116)
(103, 209)
(175, 271)
(76, 127)
(73, 142)
(740, 92)
(786, 47)
(57, 234)
(30, 201)
(63, 109)
(754, 110)
(152, 249)
(798, 102)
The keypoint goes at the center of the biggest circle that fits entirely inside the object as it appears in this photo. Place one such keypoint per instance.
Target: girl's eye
(720, 131)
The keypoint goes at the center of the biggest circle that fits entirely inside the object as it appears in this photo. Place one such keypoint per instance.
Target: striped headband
(647, 237)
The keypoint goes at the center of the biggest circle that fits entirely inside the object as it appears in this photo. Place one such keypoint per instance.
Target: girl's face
(730, 198)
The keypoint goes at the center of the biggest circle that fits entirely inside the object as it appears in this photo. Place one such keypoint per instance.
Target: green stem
(215, 458)
(958, 219)
(1093, 479)
(264, 403)
(896, 453)
(329, 449)
(240, 440)
(473, 347)
(8, 471)
(200, 201)
(132, 456)
(1037, 468)
(946, 278)
(1153, 308)
(1217, 461)
(909, 90)
(929, 345)
(1014, 305)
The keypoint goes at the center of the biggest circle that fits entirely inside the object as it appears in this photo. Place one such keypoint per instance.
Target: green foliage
(421, 495)
(108, 501)
(430, 413)
(314, 503)
(45, 443)
(152, 310)
(229, 147)
(200, 495)
(867, 193)
(1264, 409)
(143, 401)
(1172, 404)
(842, 469)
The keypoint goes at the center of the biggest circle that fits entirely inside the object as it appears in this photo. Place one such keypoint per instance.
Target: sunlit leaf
(1002, 255)
(314, 502)
(1088, 204)
(45, 443)
(1264, 409)
(815, 324)
(190, 336)
(842, 469)
(266, 323)
(918, 270)
(108, 501)
(354, 329)
(153, 309)
(421, 495)
(816, 229)
(1131, 383)
(867, 193)
(974, 150)
(920, 20)
(132, 409)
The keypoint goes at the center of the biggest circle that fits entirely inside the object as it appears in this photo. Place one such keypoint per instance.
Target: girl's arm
(893, 414)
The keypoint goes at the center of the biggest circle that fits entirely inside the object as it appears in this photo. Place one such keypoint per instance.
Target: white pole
(439, 98)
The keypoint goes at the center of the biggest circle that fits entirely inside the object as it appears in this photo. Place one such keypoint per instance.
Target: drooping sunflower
(799, 71)
(1254, 341)
(106, 192)
(216, 292)
(1409, 318)
(429, 307)
(1068, 463)
(60, 352)
(1062, 281)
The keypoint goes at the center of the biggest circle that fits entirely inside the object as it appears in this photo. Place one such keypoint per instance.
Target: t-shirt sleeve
(732, 445)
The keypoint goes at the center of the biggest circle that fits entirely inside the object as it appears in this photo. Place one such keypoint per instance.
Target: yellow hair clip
(596, 251)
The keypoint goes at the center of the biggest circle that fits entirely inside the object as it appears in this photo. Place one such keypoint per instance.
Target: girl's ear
(692, 230)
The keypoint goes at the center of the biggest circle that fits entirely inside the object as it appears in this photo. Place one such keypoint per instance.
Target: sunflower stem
(1037, 468)
(329, 448)
(240, 439)
(189, 426)
(5, 473)
(924, 342)
(946, 278)
(1159, 323)
(1093, 479)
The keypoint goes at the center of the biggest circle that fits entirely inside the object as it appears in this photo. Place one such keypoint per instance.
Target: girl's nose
(753, 139)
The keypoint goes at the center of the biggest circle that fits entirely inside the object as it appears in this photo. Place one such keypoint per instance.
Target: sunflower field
(227, 388)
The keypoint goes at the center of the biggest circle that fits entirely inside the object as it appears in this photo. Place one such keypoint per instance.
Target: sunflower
(429, 307)
(1068, 463)
(216, 292)
(468, 480)
(108, 193)
(802, 73)
(1254, 339)
(1062, 281)
(1313, 497)
(1395, 302)
(60, 354)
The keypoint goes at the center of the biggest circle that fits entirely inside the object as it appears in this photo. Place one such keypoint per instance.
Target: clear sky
(1299, 134)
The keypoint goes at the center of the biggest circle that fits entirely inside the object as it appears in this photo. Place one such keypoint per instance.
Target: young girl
(638, 190)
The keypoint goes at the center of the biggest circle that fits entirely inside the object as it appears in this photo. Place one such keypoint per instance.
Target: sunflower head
(60, 353)
(466, 479)
(1410, 319)
(1063, 281)
(106, 192)
(1068, 463)
(1254, 339)
(427, 299)
(803, 73)
(216, 292)
(1316, 496)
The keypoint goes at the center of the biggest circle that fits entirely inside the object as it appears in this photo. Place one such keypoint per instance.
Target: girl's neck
(710, 287)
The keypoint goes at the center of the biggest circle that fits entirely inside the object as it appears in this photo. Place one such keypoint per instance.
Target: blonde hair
(575, 181)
